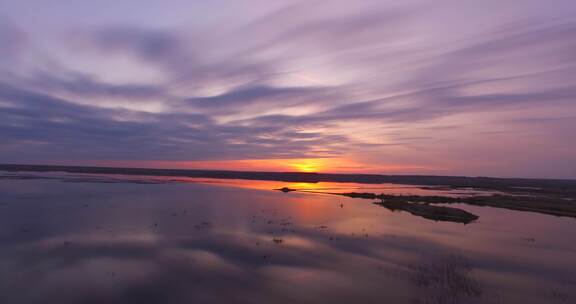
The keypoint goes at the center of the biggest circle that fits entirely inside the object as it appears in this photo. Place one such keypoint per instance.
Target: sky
(480, 88)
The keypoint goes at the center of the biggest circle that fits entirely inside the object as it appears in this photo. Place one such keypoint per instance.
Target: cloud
(365, 80)
(84, 86)
(31, 119)
(149, 45)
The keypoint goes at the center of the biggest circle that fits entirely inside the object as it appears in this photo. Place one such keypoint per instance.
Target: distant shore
(550, 186)
(548, 196)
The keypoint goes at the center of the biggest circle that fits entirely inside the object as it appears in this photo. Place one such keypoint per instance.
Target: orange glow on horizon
(308, 165)
(279, 165)
(320, 165)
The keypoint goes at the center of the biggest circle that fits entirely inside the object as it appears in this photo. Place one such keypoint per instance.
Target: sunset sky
(395, 87)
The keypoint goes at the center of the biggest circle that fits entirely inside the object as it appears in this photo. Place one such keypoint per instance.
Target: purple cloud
(376, 82)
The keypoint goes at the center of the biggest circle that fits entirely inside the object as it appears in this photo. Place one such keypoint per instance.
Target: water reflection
(318, 187)
(93, 242)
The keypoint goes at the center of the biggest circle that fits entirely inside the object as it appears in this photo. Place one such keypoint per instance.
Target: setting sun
(308, 165)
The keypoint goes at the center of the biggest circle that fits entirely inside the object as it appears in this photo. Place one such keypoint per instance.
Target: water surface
(109, 239)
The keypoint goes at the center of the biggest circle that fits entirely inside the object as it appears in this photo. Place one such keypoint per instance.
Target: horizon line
(3, 166)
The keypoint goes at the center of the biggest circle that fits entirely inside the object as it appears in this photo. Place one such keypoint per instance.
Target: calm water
(82, 239)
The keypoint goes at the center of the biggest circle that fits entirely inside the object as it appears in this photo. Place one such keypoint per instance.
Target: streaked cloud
(451, 87)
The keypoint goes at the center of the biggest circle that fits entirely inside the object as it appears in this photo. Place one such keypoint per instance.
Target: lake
(78, 238)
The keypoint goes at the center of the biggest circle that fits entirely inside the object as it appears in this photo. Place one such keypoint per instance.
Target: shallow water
(85, 239)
